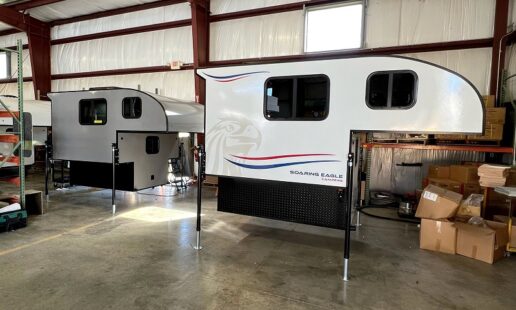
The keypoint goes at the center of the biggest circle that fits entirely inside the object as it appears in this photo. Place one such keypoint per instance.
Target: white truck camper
(278, 135)
(138, 131)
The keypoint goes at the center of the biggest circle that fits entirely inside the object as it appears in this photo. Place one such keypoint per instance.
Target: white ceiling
(4, 26)
(72, 8)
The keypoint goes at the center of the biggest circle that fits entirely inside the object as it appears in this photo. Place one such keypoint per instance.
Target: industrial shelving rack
(17, 139)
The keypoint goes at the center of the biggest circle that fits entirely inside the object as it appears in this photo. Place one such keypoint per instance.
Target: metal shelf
(467, 148)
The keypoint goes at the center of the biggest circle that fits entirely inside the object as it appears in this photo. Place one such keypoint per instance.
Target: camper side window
(297, 98)
(152, 145)
(391, 90)
(132, 107)
(93, 111)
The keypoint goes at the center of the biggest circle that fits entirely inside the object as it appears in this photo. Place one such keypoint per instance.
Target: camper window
(132, 107)
(391, 90)
(297, 98)
(152, 145)
(93, 111)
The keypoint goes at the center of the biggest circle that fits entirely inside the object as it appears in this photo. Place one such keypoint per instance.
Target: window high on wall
(4, 66)
(334, 27)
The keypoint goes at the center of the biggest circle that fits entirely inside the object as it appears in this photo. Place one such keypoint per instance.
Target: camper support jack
(200, 178)
(347, 241)
(115, 157)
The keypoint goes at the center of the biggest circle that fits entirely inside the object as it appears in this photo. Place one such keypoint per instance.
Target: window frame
(329, 6)
(158, 145)
(141, 108)
(389, 89)
(93, 124)
(296, 119)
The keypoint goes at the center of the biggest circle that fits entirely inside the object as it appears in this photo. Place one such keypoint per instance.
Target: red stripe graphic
(280, 156)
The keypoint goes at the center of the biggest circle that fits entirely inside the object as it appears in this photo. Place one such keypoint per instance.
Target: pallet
(468, 142)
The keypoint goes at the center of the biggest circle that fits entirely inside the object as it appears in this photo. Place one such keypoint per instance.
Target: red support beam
(38, 34)
(270, 10)
(201, 47)
(116, 72)
(9, 32)
(201, 42)
(499, 43)
(126, 31)
(391, 50)
(129, 9)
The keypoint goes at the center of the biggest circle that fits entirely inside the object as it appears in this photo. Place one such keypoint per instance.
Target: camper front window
(297, 98)
(391, 89)
(93, 111)
(132, 107)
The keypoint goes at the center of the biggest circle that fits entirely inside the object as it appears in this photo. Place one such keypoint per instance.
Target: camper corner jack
(200, 177)
(347, 241)
(115, 159)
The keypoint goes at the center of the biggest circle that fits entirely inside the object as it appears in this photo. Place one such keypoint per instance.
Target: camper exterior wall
(241, 142)
(76, 142)
(149, 169)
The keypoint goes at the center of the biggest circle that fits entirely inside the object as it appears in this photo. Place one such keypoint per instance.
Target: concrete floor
(78, 256)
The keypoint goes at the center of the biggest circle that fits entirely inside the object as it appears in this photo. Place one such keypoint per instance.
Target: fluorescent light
(184, 135)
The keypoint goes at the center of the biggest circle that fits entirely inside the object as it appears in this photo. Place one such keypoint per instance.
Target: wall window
(391, 90)
(132, 107)
(5, 65)
(333, 27)
(152, 145)
(297, 98)
(93, 111)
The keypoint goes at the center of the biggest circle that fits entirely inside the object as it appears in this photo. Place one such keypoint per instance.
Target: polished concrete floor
(79, 256)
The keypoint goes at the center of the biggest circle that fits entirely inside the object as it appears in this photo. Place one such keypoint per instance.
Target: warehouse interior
(257, 154)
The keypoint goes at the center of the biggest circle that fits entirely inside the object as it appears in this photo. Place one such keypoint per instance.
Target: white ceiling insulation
(72, 8)
(4, 26)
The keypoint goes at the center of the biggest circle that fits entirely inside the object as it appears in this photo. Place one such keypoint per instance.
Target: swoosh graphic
(280, 156)
(234, 75)
(272, 166)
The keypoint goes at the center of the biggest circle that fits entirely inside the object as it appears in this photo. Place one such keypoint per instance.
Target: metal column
(347, 241)
(200, 178)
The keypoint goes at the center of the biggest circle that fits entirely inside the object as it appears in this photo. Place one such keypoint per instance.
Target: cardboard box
(505, 219)
(450, 137)
(495, 116)
(441, 172)
(464, 174)
(440, 236)
(438, 203)
(486, 244)
(492, 132)
(489, 101)
(468, 211)
(451, 185)
(468, 189)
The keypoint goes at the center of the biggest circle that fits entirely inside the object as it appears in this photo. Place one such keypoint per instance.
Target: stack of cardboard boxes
(441, 232)
(462, 179)
(493, 126)
(494, 121)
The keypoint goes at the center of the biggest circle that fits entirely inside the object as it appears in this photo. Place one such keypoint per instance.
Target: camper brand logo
(333, 177)
(234, 77)
(255, 162)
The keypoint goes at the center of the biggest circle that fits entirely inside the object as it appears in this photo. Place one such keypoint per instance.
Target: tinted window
(391, 89)
(132, 107)
(152, 145)
(93, 111)
(297, 98)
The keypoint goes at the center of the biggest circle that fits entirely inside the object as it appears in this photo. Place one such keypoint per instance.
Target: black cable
(361, 209)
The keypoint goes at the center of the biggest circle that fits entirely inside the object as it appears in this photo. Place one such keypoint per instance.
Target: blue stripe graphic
(233, 76)
(261, 167)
